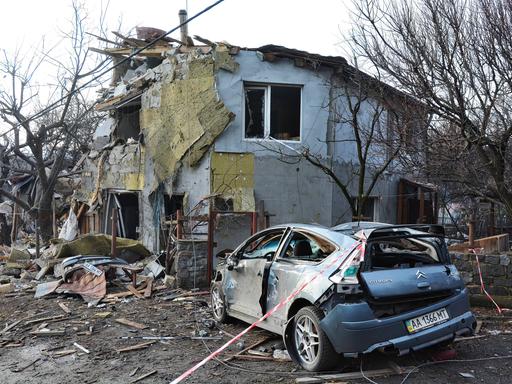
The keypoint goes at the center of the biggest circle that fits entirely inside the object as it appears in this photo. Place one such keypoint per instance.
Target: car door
(244, 283)
(296, 261)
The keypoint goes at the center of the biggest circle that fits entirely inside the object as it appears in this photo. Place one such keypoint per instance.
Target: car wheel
(218, 303)
(312, 347)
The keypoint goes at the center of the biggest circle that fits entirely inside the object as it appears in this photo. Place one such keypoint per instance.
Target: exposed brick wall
(192, 264)
(496, 272)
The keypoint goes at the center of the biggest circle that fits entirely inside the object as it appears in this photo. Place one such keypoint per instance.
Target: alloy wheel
(307, 340)
(217, 303)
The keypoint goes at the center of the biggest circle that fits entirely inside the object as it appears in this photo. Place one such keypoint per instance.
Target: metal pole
(209, 261)
(113, 249)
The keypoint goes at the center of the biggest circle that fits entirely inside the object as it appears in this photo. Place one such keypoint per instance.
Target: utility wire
(124, 60)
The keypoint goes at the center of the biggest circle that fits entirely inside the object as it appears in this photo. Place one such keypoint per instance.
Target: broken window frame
(267, 87)
(112, 201)
(374, 200)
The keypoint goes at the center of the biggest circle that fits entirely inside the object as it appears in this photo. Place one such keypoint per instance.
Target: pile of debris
(83, 266)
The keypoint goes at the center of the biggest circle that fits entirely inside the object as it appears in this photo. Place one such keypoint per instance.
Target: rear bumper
(353, 329)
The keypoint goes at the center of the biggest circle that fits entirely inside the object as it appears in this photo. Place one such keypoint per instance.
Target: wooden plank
(136, 347)
(49, 332)
(143, 376)
(252, 346)
(131, 323)
(152, 51)
(9, 327)
(254, 358)
(135, 292)
(121, 294)
(65, 308)
(350, 375)
(82, 348)
(42, 319)
(149, 289)
(65, 352)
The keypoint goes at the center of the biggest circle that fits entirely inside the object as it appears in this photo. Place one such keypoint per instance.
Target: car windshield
(403, 251)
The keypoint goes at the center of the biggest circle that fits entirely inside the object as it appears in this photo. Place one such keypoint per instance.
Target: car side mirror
(270, 255)
(232, 261)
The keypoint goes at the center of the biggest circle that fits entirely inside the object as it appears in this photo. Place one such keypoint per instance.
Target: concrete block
(467, 277)
(493, 270)
(504, 260)
(501, 291)
(492, 259)
(503, 282)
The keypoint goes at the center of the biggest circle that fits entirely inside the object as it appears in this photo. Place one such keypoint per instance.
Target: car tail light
(347, 272)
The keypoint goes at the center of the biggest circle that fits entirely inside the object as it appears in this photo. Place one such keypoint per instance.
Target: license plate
(427, 320)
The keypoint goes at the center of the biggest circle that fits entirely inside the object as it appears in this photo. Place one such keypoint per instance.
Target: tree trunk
(5, 231)
(45, 219)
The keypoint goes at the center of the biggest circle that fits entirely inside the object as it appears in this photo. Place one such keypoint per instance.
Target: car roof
(355, 226)
(329, 233)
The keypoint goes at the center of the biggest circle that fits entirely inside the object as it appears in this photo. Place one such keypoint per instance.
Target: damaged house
(189, 124)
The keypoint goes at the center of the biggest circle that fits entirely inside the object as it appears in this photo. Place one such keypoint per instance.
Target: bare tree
(455, 56)
(42, 146)
(372, 121)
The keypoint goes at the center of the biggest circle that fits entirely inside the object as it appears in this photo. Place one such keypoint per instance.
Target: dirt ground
(30, 359)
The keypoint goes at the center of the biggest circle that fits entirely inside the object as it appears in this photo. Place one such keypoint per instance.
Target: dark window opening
(223, 204)
(368, 211)
(128, 126)
(285, 113)
(255, 113)
(127, 205)
(172, 204)
(272, 110)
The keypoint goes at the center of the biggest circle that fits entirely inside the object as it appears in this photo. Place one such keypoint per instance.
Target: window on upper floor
(272, 110)
(369, 211)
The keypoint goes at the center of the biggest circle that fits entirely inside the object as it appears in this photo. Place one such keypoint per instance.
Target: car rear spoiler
(430, 230)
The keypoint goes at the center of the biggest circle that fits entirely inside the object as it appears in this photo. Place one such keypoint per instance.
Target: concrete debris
(281, 354)
(6, 288)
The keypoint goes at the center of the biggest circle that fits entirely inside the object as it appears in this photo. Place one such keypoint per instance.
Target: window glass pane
(285, 113)
(262, 245)
(254, 113)
(307, 246)
(368, 210)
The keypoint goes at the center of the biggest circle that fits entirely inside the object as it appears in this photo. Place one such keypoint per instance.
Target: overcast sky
(314, 26)
(309, 25)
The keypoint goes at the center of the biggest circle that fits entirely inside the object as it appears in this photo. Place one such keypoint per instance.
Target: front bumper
(352, 328)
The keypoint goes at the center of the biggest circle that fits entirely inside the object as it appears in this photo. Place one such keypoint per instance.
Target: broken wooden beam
(131, 323)
(135, 292)
(136, 347)
(65, 308)
(83, 349)
(149, 289)
(252, 346)
(43, 319)
(143, 376)
(49, 332)
(351, 375)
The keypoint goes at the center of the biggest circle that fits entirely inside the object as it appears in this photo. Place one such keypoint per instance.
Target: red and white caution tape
(354, 251)
(482, 286)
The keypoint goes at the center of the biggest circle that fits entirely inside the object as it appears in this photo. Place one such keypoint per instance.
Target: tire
(312, 347)
(218, 303)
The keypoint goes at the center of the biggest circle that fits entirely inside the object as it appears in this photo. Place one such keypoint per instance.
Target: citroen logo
(420, 274)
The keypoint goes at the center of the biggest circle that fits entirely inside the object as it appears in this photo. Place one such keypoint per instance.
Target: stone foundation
(496, 272)
(191, 264)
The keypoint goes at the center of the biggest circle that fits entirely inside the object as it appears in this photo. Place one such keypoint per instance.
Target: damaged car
(387, 288)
